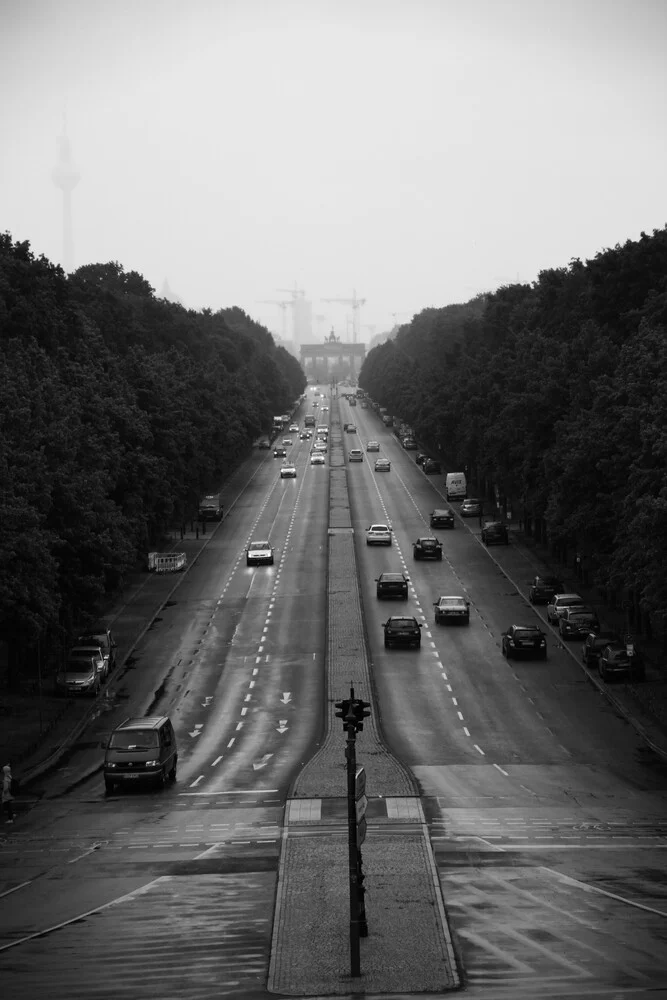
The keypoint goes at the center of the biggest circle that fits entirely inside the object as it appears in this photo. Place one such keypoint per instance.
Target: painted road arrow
(287, 697)
(263, 762)
(198, 728)
(283, 727)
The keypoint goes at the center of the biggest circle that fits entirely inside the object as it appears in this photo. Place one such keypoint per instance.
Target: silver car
(559, 602)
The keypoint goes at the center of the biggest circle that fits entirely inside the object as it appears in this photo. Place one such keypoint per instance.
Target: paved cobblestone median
(408, 947)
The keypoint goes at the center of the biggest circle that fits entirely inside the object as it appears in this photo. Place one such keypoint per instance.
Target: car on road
(472, 507)
(442, 518)
(140, 751)
(524, 640)
(615, 661)
(355, 455)
(451, 609)
(559, 602)
(287, 442)
(543, 588)
(392, 585)
(382, 465)
(258, 553)
(495, 533)
(317, 458)
(79, 676)
(402, 630)
(279, 452)
(351, 429)
(264, 443)
(102, 638)
(577, 622)
(373, 446)
(305, 435)
(378, 534)
(427, 547)
(320, 445)
(288, 472)
(431, 467)
(293, 428)
(595, 642)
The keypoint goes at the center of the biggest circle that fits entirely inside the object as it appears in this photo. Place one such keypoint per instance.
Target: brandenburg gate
(332, 354)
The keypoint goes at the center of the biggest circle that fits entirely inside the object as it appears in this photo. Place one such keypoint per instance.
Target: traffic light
(359, 708)
(343, 710)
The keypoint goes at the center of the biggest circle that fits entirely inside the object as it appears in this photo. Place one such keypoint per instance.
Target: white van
(455, 486)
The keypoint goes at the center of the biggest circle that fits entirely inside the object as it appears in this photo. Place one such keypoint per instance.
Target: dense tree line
(118, 410)
(555, 393)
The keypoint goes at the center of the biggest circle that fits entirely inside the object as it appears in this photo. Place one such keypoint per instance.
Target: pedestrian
(7, 797)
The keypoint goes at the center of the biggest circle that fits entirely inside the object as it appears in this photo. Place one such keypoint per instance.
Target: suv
(427, 548)
(559, 602)
(576, 622)
(495, 533)
(452, 609)
(442, 518)
(524, 639)
(392, 585)
(141, 750)
(404, 631)
(543, 588)
(594, 644)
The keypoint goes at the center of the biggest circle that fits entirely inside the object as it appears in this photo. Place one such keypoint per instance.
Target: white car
(559, 602)
(382, 465)
(373, 446)
(294, 429)
(325, 409)
(378, 534)
(288, 472)
(287, 442)
(452, 609)
(320, 446)
(317, 458)
(259, 552)
(355, 455)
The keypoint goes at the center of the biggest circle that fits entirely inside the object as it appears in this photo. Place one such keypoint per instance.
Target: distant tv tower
(66, 177)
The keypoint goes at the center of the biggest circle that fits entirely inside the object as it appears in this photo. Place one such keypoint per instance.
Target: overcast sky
(418, 151)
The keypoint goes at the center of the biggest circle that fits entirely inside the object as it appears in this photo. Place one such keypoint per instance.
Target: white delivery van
(455, 486)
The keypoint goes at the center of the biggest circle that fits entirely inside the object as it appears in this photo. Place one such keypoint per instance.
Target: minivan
(455, 486)
(141, 751)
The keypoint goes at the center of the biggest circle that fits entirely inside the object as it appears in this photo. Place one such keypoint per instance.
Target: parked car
(559, 602)
(442, 518)
(576, 622)
(451, 609)
(472, 507)
(402, 630)
(543, 588)
(409, 444)
(317, 458)
(615, 661)
(431, 467)
(392, 585)
(264, 443)
(355, 455)
(524, 640)
(279, 452)
(288, 472)
(103, 638)
(382, 465)
(420, 457)
(427, 548)
(259, 552)
(595, 642)
(83, 651)
(495, 533)
(79, 676)
(373, 446)
(378, 534)
(140, 751)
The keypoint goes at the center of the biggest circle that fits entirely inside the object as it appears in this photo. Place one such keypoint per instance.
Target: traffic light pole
(353, 861)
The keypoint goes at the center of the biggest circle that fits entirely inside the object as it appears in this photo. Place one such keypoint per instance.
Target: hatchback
(355, 455)
(594, 643)
(373, 446)
(103, 638)
(559, 602)
(402, 631)
(576, 622)
(615, 660)
(382, 465)
(543, 588)
(317, 458)
(288, 472)
(431, 467)
(392, 585)
(495, 533)
(472, 507)
(427, 548)
(378, 534)
(524, 640)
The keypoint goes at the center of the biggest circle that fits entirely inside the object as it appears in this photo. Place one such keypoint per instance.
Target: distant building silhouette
(167, 294)
(66, 177)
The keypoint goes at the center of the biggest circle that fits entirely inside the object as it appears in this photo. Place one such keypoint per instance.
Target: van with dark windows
(141, 751)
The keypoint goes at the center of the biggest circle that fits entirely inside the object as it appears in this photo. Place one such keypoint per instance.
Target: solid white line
(236, 791)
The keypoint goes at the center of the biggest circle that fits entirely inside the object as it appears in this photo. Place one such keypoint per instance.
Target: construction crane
(294, 292)
(283, 303)
(356, 305)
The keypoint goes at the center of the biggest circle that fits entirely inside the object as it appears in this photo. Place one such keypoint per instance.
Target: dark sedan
(615, 661)
(392, 585)
(495, 533)
(543, 588)
(427, 548)
(442, 519)
(431, 467)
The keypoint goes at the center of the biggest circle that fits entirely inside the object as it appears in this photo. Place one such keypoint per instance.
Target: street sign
(361, 831)
(360, 783)
(361, 808)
